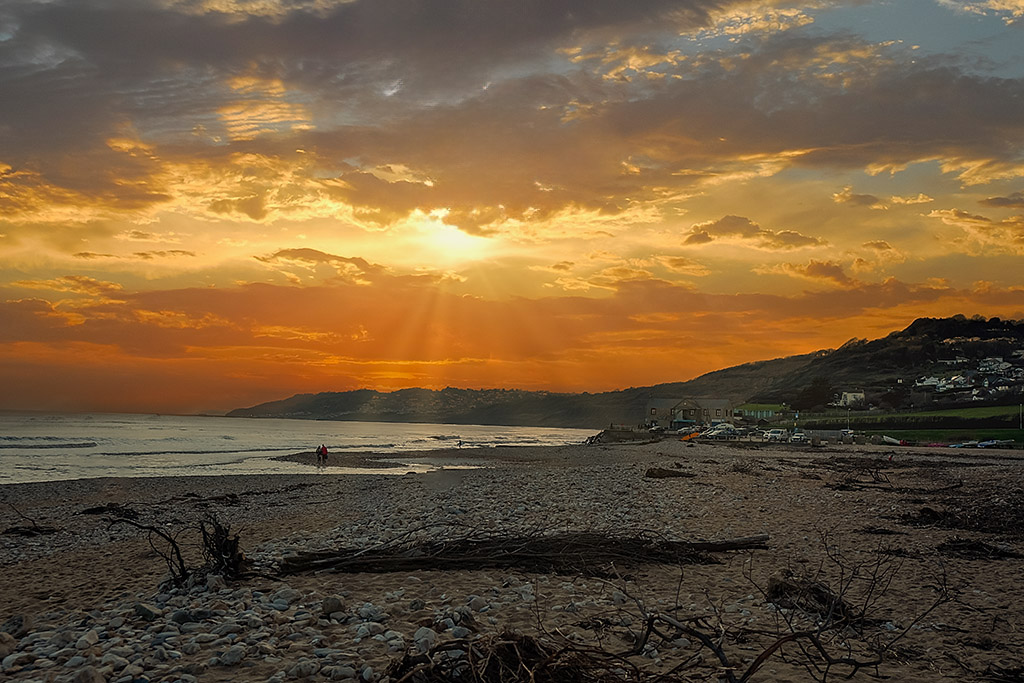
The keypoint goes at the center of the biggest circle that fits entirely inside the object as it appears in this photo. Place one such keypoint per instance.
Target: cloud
(1005, 235)
(351, 269)
(881, 255)
(173, 107)
(74, 284)
(1011, 10)
(684, 266)
(847, 196)
(921, 198)
(747, 231)
(828, 271)
(1012, 201)
(166, 253)
(268, 340)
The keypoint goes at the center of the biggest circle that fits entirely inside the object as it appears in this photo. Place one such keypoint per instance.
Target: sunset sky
(206, 204)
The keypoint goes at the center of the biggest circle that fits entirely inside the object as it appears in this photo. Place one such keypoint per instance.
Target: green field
(985, 418)
(981, 411)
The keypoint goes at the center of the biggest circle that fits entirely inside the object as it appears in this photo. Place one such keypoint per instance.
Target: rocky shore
(83, 603)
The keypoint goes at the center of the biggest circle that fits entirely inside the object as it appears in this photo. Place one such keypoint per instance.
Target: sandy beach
(921, 548)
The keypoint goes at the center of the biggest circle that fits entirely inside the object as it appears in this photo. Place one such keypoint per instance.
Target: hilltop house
(851, 399)
(675, 413)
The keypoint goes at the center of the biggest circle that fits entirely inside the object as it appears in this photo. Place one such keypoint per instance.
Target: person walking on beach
(322, 457)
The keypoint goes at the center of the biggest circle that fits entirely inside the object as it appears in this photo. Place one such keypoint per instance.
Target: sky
(207, 204)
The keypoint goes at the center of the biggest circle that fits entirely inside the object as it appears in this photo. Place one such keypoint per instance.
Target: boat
(996, 443)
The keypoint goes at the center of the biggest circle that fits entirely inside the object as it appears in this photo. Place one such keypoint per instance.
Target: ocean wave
(178, 451)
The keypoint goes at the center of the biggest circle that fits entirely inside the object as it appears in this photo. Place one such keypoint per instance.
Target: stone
(371, 612)
(227, 627)
(88, 639)
(370, 628)
(425, 638)
(215, 582)
(88, 674)
(303, 669)
(147, 612)
(16, 660)
(114, 661)
(476, 603)
(232, 656)
(341, 673)
(332, 604)
(18, 626)
(181, 616)
(287, 595)
(7, 644)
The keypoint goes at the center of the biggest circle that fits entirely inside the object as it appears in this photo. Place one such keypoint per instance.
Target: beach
(890, 532)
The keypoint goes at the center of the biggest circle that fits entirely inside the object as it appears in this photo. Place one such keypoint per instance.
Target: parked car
(799, 437)
(722, 431)
(777, 435)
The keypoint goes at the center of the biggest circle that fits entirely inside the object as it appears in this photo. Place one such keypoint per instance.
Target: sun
(448, 245)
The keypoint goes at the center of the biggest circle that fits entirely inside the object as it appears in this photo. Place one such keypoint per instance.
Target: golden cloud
(744, 230)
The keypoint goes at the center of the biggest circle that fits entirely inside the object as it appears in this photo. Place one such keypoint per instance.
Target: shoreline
(90, 576)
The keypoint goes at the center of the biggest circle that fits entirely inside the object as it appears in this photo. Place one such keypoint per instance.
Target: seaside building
(760, 411)
(675, 413)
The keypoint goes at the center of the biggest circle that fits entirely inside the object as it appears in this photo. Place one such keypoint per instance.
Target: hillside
(884, 369)
(517, 407)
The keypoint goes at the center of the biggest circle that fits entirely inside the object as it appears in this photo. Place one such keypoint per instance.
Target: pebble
(232, 656)
(88, 639)
(303, 669)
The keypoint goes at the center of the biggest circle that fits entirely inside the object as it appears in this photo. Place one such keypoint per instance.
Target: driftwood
(112, 509)
(509, 657)
(221, 550)
(662, 473)
(587, 553)
(34, 530)
(970, 549)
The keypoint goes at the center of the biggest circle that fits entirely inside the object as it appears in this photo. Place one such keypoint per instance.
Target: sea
(36, 447)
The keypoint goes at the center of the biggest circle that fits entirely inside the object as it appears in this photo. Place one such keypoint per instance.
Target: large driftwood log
(662, 473)
(588, 553)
